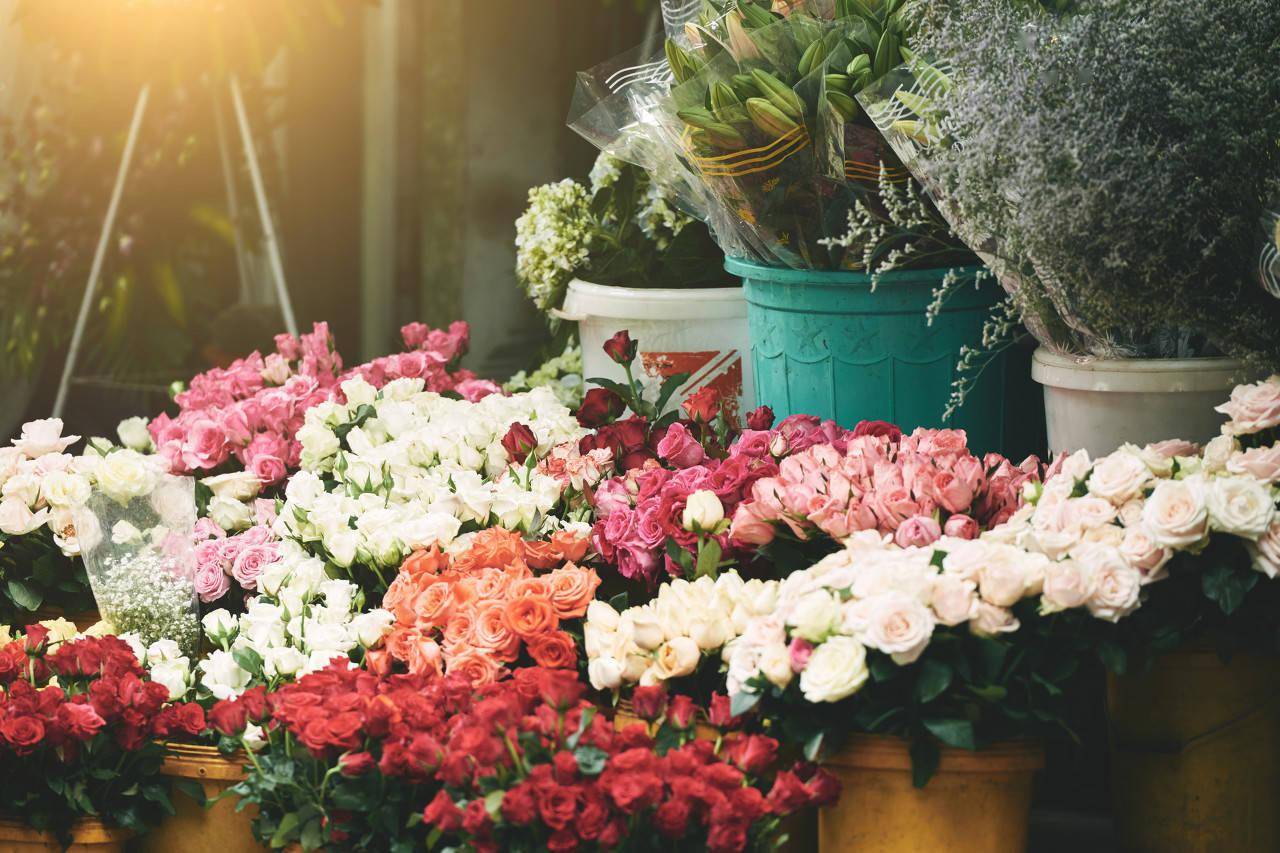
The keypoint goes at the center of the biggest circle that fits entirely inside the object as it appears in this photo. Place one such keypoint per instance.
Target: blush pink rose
(250, 562)
(680, 448)
(1253, 408)
(961, 526)
(206, 445)
(211, 583)
(1260, 463)
(917, 531)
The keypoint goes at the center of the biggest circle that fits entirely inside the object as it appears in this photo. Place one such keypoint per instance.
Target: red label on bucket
(721, 370)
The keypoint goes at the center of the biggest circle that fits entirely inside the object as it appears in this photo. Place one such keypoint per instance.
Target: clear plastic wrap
(138, 549)
(1269, 256)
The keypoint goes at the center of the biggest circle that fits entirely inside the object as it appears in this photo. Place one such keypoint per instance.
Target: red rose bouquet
(87, 743)
(385, 762)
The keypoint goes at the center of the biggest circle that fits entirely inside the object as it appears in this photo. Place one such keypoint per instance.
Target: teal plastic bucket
(822, 343)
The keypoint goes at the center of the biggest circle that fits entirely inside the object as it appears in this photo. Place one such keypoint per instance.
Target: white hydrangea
(552, 240)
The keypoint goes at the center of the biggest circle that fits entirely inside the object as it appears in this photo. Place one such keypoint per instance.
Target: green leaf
(993, 654)
(813, 746)
(952, 731)
(669, 387)
(925, 757)
(591, 760)
(288, 823)
(616, 387)
(587, 716)
(619, 602)
(1113, 656)
(743, 702)
(1227, 587)
(935, 677)
(708, 559)
(23, 595)
(493, 802)
(248, 659)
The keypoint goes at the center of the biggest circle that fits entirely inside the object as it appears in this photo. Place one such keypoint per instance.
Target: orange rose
(542, 555)
(571, 590)
(399, 598)
(460, 627)
(432, 606)
(531, 615)
(492, 548)
(554, 649)
(572, 547)
(428, 562)
(478, 667)
(424, 657)
(492, 632)
(400, 640)
(529, 586)
(378, 661)
(491, 583)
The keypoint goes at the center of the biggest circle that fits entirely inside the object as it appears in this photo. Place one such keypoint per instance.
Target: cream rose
(1116, 586)
(836, 669)
(677, 658)
(1010, 574)
(65, 489)
(125, 475)
(815, 616)
(991, 620)
(1217, 453)
(896, 624)
(1175, 514)
(1067, 585)
(605, 673)
(702, 511)
(1118, 478)
(238, 485)
(133, 434)
(955, 600)
(775, 665)
(1240, 506)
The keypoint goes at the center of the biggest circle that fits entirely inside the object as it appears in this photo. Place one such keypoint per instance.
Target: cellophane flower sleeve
(138, 548)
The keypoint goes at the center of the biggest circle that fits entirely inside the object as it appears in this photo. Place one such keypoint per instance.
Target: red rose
(747, 803)
(724, 777)
(719, 713)
(562, 841)
(557, 688)
(788, 794)
(518, 805)
(185, 719)
(557, 804)
(612, 834)
(760, 419)
(879, 429)
(823, 788)
(649, 702)
(36, 638)
(354, 764)
(22, 733)
(621, 348)
(228, 717)
(703, 405)
(672, 818)
(635, 792)
(593, 817)
(565, 766)
(754, 754)
(343, 730)
(475, 817)
(443, 813)
(519, 442)
(599, 407)
(726, 837)
(682, 712)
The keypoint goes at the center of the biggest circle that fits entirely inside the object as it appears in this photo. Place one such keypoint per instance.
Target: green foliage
(35, 575)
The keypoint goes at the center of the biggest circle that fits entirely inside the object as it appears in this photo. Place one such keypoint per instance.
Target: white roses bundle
(667, 637)
(41, 485)
(400, 469)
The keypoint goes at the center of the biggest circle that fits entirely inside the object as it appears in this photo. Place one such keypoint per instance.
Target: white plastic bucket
(1099, 405)
(702, 332)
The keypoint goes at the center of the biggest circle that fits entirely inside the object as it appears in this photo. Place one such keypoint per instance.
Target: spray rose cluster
(249, 413)
(486, 607)
(393, 471)
(916, 488)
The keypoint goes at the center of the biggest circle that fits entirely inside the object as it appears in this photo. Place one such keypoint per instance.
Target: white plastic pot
(702, 332)
(1099, 405)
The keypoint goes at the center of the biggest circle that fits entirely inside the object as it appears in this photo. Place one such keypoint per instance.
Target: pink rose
(680, 448)
(1174, 447)
(961, 527)
(619, 527)
(611, 496)
(1252, 408)
(264, 512)
(207, 528)
(649, 530)
(749, 528)
(753, 443)
(800, 651)
(249, 563)
(1260, 463)
(211, 583)
(269, 469)
(206, 445)
(917, 531)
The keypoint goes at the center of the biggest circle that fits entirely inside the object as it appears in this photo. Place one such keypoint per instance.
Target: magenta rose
(680, 448)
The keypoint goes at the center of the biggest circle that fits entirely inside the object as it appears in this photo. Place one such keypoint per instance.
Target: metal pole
(233, 200)
(264, 213)
(100, 253)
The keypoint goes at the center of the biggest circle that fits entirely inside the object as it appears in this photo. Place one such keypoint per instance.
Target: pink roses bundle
(250, 412)
(917, 487)
(221, 559)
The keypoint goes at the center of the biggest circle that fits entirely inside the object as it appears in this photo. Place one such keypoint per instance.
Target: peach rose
(571, 590)
(542, 555)
(424, 657)
(428, 562)
(477, 667)
(492, 632)
(554, 649)
(531, 615)
(530, 586)
(431, 607)
(572, 547)
(458, 631)
(493, 548)
(491, 583)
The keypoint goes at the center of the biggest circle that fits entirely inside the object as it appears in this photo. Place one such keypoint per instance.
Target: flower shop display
(395, 470)
(479, 612)
(41, 485)
(80, 725)
(621, 255)
(520, 764)
(1072, 239)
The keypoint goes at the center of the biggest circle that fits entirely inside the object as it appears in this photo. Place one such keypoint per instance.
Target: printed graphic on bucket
(718, 369)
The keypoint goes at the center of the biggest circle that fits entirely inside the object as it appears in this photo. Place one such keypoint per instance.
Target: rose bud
(682, 712)
(621, 348)
(761, 418)
(880, 429)
(703, 405)
(599, 407)
(355, 763)
(519, 442)
(702, 512)
(649, 703)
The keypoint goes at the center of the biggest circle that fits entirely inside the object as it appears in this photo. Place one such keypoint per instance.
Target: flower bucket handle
(561, 314)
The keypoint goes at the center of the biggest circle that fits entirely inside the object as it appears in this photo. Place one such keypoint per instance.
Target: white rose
(238, 486)
(222, 676)
(174, 674)
(677, 658)
(1218, 452)
(133, 434)
(17, 519)
(648, 632)
(254, 738)
(1119, 477)
(342, 546)
(702, 511)
(1240, 506)
(896, 624)
(1175, 514)
(125, 475)
(991, 620)
(229, 514)
(282, 662)
(1067, 585)
(602, 615)
(836, 669)
(163, 650)
(24, 487)
(815, 616)
(605, 673)
(65, 489)
(359, 392)
(219, 625)
(1116, 586)
(43, 436)
(775, 665)
(371, 627)
(319, 444)
(954, 599)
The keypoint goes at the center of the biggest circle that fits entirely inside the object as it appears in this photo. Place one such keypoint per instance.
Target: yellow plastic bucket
(87, 836)
(216, 828)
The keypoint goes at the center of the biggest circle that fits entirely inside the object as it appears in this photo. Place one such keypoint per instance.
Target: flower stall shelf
(977, 801)
(1099, 404)
(850, 346)
(211, 823)
(699, 332)
(87, 835)
(1195, 754)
